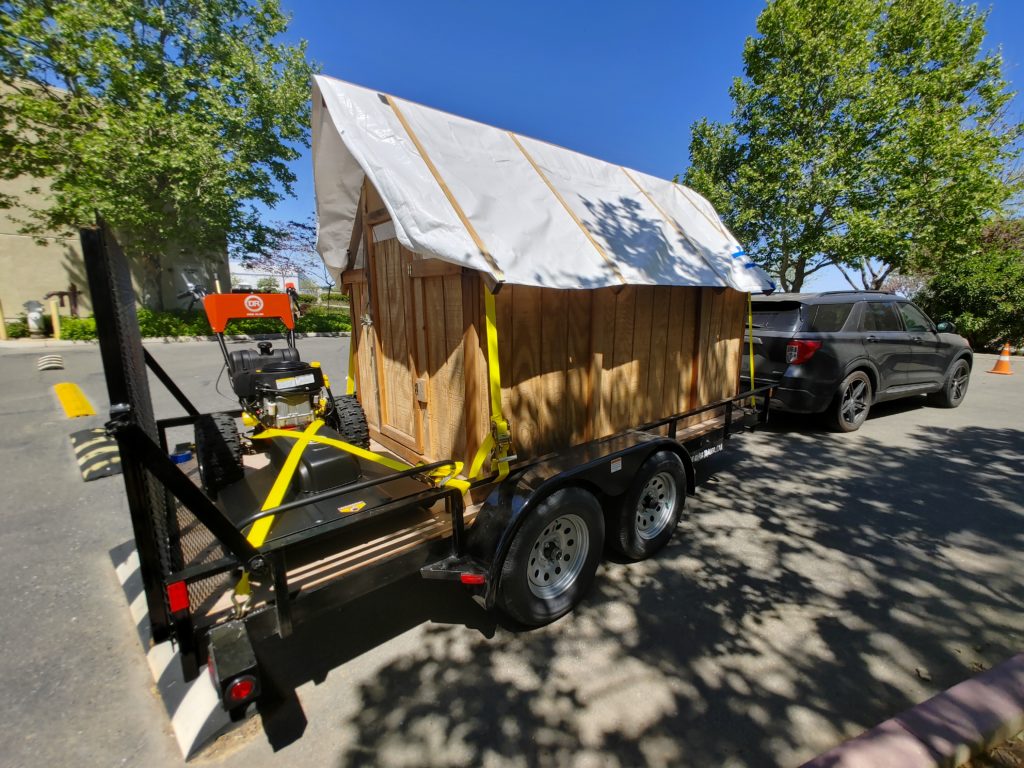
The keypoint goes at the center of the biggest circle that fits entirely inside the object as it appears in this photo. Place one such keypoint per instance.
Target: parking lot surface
(818, 584)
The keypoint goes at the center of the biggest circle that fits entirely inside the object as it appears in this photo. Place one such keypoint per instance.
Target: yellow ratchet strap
(261, 528)
(350, 381)
(750, 339)
(441, 475)
(499, 441)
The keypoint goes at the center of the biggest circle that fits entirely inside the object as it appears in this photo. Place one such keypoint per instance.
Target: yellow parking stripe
(73, 400)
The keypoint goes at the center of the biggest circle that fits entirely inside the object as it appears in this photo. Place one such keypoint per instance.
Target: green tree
(864, 134)
(291, 250)
(983, 292)
(268, 285)
(170, 118)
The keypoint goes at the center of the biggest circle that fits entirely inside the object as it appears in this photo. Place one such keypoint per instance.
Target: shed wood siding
(575, 364)
(579, 365)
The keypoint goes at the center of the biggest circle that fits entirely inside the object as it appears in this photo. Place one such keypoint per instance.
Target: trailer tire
(218, 451)
(553, 558)
(350, 421)
(651, 508)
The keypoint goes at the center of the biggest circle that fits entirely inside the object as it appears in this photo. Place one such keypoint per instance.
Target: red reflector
(801, 350)
(240, 690)
(472, 578)
(177, 596)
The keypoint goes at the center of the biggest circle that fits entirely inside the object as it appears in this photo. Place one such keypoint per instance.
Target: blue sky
(620, 81)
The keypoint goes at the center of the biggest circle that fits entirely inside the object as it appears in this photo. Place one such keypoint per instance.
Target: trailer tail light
(240, 690)
(801, 350)
(177, 597)
(472, 578)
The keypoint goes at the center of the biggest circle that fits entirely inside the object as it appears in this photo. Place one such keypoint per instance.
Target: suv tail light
(801, 350)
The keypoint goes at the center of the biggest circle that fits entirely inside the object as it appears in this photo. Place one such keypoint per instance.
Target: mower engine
(276, 388)
(287, 394)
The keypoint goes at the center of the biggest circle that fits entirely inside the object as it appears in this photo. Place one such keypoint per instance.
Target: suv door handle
(916, 339)
(871, 339)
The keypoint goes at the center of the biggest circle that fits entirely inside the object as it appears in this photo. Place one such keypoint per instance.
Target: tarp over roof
(521, 210)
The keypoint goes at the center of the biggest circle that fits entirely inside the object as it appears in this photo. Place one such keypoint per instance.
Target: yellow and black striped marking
(73, 400)
(96, 453)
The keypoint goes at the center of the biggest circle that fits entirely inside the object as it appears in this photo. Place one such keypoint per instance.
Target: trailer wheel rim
(557, 556)
(656, 504)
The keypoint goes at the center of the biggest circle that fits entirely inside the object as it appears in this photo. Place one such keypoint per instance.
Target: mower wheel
(218, 451)
(350, 421)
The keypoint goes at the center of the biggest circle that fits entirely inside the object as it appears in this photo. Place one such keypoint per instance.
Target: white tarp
(546, 216)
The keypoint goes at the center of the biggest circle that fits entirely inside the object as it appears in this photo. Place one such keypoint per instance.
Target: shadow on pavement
(782, 618)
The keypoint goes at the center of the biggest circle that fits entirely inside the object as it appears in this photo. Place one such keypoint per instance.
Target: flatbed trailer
(193, 550)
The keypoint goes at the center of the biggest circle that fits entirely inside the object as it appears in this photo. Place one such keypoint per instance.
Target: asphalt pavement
(818, 584)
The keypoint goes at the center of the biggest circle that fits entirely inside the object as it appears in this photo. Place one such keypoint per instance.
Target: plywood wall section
(578, 365)
(575, 365)
(421, 364)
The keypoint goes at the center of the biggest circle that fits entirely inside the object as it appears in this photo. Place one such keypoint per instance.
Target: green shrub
(326, 322)
(17, 330)
(172, 324)
(78, 328)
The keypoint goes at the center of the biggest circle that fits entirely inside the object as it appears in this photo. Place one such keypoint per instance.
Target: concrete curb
(946, 730)
(193, 708)
(45, 343)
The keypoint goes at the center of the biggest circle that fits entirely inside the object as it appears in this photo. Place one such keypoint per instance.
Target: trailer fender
(605, 468)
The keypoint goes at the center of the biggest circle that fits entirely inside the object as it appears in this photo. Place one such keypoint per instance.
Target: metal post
(128, 390)
(55, 318)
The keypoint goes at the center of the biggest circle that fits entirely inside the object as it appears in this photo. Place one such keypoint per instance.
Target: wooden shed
(618, 298)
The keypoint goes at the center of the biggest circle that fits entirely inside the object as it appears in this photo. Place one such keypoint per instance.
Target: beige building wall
(30, 268)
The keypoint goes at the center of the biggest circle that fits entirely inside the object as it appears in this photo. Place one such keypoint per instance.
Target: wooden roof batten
(675, 226)
(497, 275)
(597, 247)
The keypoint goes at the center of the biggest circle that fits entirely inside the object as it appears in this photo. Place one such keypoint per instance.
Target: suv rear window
(776, 315)
(829, 318)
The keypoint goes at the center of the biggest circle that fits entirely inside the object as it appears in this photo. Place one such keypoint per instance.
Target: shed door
(393, 326)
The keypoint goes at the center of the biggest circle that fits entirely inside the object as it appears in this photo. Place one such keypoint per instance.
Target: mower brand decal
(294, 381)
(254, 303)
(708, 452)
(616, 464)
(355, 507)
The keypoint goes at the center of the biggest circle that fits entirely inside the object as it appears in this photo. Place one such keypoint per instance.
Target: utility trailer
(509, 449)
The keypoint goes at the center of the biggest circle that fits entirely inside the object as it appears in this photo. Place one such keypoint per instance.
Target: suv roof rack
(854, 290)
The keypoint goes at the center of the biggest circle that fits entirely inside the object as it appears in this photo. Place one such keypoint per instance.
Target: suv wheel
(954, 390)
(852, 402)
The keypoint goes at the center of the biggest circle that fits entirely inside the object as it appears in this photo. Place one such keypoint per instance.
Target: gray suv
(840, 352)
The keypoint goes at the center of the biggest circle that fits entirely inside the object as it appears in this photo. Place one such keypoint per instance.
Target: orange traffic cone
(1003, 363)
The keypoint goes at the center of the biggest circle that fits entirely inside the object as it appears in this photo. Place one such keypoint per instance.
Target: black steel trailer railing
(169, 510)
